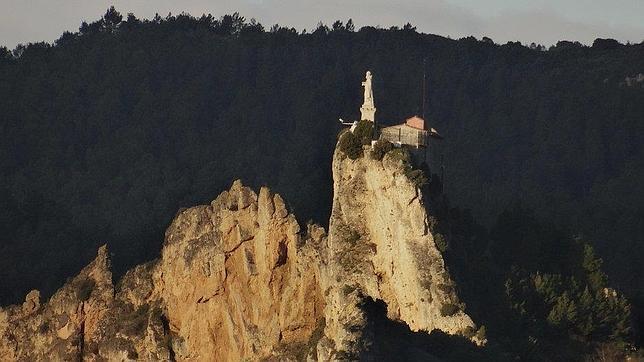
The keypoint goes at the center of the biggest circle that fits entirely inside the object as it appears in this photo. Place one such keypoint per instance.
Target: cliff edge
(380, 247)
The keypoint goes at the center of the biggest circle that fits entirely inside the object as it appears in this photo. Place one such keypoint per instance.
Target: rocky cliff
(380, 246)
(240, 279)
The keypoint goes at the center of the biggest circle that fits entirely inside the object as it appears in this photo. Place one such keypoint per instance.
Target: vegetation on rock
(380, 149)
(415, 174)
(350, 145)
(364, 132)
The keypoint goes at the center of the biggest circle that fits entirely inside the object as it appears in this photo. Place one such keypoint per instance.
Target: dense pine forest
(109, 131)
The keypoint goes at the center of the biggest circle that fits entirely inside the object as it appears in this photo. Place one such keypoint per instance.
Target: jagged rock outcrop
(381, 247)
(239, 279)
(66, 324)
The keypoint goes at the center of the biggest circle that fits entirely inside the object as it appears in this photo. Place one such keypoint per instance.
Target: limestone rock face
(240, 279)
(60, 328)
(237, 280)
(381, 247)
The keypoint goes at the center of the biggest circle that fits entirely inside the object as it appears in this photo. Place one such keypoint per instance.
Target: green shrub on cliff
(364, 132)
(350, 145)
(401, 154)
(416, 176)
(380, 149)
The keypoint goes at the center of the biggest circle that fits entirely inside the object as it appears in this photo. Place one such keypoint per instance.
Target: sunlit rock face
(236, 280)
(240, 279)
(64, 326)
(380, 247)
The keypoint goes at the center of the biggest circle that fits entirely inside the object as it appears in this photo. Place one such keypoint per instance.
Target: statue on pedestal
(368, 109)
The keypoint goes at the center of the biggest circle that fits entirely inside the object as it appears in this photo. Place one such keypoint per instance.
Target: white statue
(368, 91)
(368, 109)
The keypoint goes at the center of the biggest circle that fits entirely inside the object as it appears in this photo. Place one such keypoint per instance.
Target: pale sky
(545, 22)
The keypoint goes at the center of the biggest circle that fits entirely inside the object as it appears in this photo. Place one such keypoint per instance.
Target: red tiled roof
(416, 122)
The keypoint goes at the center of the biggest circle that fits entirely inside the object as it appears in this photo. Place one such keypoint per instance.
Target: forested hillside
(105, 134)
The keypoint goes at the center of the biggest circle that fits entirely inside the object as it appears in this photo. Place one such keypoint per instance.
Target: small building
(413, 132)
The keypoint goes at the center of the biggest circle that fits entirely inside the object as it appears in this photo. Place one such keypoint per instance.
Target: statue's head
(368, 74)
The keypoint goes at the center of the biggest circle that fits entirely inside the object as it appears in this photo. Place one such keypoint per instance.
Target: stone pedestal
(368, 113)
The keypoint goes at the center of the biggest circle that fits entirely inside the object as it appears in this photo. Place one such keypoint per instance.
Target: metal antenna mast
(424, 85)
(424, 105)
